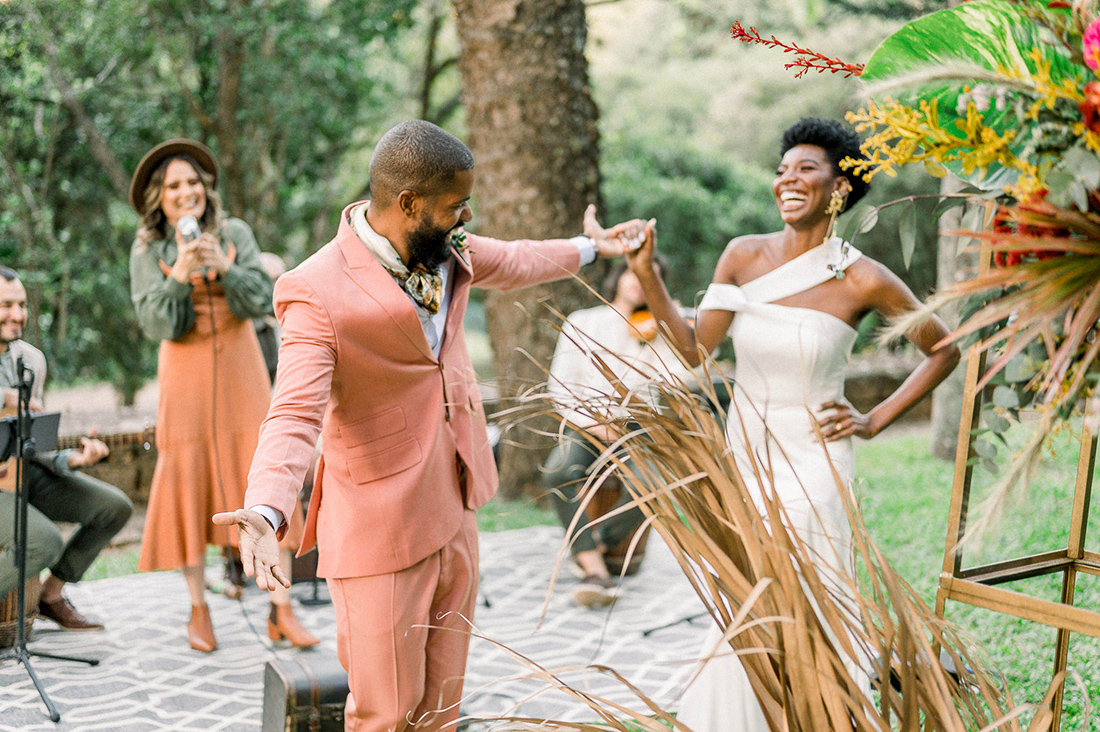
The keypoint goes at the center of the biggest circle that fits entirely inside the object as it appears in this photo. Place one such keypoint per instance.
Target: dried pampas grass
(805, 633)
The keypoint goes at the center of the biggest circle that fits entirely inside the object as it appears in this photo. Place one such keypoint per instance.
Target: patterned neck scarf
(423, 285)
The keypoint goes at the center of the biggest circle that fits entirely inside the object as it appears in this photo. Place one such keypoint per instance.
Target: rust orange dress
(214, 394)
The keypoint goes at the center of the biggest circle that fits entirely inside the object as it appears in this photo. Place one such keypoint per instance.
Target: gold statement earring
(836, 205)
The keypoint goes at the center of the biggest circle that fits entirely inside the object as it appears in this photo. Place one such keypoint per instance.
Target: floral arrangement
(459, 243)
(1005, 94)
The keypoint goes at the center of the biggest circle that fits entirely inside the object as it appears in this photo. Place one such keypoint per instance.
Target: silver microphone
(188, 227)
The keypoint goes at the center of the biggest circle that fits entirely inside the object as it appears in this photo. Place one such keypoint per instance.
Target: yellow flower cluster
(1092, 140)
(904, 135)
(1042, 84)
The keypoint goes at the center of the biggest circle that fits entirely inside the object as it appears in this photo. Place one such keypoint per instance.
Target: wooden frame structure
(978, 585)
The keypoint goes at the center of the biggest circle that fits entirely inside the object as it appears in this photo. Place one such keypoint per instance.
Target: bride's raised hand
(640, 258)
(617, 240)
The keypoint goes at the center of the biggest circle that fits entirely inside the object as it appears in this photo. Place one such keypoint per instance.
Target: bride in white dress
(798, 295)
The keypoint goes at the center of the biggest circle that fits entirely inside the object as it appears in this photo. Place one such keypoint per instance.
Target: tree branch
(100, 148)
(26, 198)
(430, 69)
(445, 110)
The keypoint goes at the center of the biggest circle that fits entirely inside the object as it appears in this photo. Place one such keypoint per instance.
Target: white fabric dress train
(787, 359)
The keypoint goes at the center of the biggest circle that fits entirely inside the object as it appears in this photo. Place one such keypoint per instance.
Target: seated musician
(623, 336)
(56, 491)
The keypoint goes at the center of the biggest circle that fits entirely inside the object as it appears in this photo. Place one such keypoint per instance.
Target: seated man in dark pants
(56, 492)
(622, 336)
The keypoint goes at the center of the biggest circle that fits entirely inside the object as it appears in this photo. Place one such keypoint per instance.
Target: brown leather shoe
(200, 631)
(62, 612)
(282, 623)
(596, 591)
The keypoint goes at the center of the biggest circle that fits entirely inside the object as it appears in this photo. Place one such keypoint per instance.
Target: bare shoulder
(739, 255)
(878, 285)
(871, 274)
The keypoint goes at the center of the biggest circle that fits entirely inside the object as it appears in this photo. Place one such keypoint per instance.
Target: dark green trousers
(564, 474)
(100, 509)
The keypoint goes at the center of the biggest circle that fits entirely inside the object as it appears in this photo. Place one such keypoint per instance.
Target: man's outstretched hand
(616, 241)
(258, 545)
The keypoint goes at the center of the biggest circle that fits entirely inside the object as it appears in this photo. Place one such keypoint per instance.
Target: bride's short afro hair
(837, 140)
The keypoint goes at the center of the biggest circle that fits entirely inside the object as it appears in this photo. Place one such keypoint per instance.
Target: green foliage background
(692, 123)
(690, 130)
(296, 87)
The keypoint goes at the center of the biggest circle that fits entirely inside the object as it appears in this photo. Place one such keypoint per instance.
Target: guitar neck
(112, 441)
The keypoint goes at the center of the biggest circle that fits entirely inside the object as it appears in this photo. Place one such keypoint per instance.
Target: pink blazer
(405, 449)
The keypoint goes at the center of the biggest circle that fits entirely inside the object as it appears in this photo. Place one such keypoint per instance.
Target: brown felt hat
(180, 146)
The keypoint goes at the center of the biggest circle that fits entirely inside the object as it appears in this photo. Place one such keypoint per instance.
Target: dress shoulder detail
(721, 296)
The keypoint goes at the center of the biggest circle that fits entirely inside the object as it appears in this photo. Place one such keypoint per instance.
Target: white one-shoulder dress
(787, 359)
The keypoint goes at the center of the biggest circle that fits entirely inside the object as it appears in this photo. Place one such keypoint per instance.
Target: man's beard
(15, 334)
(428, 245)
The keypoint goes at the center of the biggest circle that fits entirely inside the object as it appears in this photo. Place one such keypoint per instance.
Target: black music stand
(20, 435)
(315, 598)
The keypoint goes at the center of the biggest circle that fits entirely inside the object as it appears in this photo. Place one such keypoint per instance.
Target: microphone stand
(689, 619)
(24, 450)
(315, 599)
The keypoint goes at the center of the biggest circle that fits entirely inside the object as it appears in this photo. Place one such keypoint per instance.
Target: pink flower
(1090, 44)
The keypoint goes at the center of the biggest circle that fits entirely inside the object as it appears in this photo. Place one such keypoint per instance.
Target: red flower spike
(1059, 5)
(806, 60)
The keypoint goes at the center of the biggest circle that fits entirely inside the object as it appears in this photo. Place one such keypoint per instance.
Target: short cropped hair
(9, 274)
(416, 156)
(838, 142)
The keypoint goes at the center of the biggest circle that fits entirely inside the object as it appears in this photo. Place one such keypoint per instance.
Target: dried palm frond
(805, 630)
(1044, 294)
(1049, 291)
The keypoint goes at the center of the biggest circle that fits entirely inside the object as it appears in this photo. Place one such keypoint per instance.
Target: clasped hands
(202, 255)
(616, 241)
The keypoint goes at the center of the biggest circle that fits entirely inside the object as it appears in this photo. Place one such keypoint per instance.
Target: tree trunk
(532, 129)
(229, 47)
(951, 267)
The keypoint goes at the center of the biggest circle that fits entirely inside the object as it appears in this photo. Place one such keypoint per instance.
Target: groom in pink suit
(374, 358)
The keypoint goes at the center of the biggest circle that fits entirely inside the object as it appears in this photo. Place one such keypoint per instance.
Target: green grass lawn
(905, 496)
(905, 493)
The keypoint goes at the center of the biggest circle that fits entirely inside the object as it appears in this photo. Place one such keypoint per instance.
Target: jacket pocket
(385, 463)
(374, 427)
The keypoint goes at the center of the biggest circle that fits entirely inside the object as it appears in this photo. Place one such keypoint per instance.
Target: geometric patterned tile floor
(149, 679)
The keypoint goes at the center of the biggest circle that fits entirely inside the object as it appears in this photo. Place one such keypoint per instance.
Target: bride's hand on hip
(839, 419)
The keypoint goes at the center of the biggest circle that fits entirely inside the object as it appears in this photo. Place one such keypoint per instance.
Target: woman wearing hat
(196, 296)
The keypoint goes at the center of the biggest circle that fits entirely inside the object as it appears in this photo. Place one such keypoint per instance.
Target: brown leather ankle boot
(282, 623)
(200, 631)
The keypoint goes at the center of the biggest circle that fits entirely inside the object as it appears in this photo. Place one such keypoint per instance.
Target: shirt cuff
(586, 247)
(61, 461)
(273, 515)
(232, 275)
(175, 288)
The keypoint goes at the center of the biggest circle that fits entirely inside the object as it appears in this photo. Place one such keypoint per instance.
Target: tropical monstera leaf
(986, 44)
